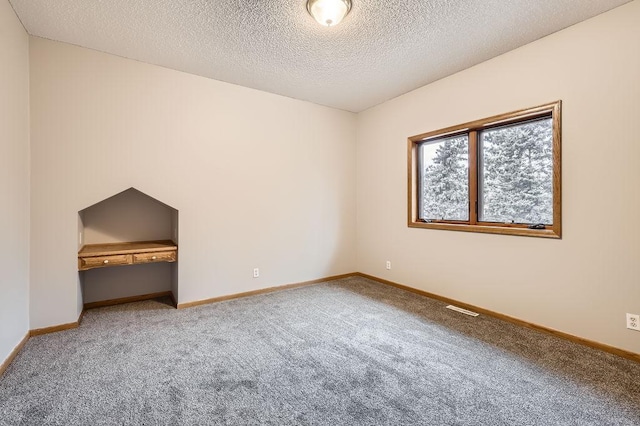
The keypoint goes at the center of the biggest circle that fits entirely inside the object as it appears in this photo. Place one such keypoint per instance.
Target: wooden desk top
(91, 250)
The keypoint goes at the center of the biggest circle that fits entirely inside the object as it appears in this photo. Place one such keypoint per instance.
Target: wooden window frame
(472, 129)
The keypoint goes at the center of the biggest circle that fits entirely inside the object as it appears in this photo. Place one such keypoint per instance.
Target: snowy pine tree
(445, 189)
(517, 170)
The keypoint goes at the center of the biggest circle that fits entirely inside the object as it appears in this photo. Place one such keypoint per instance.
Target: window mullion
(473, 177)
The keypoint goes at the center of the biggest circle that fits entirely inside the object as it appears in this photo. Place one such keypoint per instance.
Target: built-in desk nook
(119, 254)
(127, 249)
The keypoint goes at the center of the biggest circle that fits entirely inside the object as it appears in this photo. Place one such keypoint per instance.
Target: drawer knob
(105, 262)
(154, 257)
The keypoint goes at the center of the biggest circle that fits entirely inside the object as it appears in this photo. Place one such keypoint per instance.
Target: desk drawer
(159, 256)
(85, 263)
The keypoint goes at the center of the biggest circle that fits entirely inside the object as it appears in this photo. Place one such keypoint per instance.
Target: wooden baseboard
(586, 342)
(54, 328)
(261, 291)
(129, 299)
(13, 354)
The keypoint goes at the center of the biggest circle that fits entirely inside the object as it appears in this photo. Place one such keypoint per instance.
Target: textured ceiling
(381, 50)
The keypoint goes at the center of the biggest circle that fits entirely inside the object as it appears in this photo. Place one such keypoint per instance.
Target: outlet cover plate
(633, 322)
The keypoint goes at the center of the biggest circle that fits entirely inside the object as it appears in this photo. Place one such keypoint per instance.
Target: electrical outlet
(256, 272)
(388, 264)
(633, 322)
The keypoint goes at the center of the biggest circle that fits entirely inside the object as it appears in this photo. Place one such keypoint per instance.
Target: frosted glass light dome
(328, 12)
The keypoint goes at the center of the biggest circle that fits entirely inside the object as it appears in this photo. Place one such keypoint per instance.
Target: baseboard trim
(586, 342)
(14, 353)
(121, 300)
(54, 328)
(262, 291)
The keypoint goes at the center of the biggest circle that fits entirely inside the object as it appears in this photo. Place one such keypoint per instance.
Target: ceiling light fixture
(328, 12)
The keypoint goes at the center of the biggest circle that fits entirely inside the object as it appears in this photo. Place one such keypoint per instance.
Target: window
(497, 175)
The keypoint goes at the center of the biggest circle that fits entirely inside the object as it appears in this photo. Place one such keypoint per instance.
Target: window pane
(516, 182)
(444, 179)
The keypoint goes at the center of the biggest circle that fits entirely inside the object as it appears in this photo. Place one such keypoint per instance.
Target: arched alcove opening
(127, 249)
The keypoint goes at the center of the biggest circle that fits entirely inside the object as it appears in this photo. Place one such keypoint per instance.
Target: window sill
(488, 229)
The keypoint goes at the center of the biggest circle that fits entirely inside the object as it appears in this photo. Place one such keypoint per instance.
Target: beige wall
(259, 180)
(586, 282)
(14, 180)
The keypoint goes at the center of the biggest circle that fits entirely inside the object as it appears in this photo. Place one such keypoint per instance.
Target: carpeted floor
(348, 352)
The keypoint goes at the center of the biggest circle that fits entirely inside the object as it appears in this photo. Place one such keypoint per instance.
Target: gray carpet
(348, 352)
